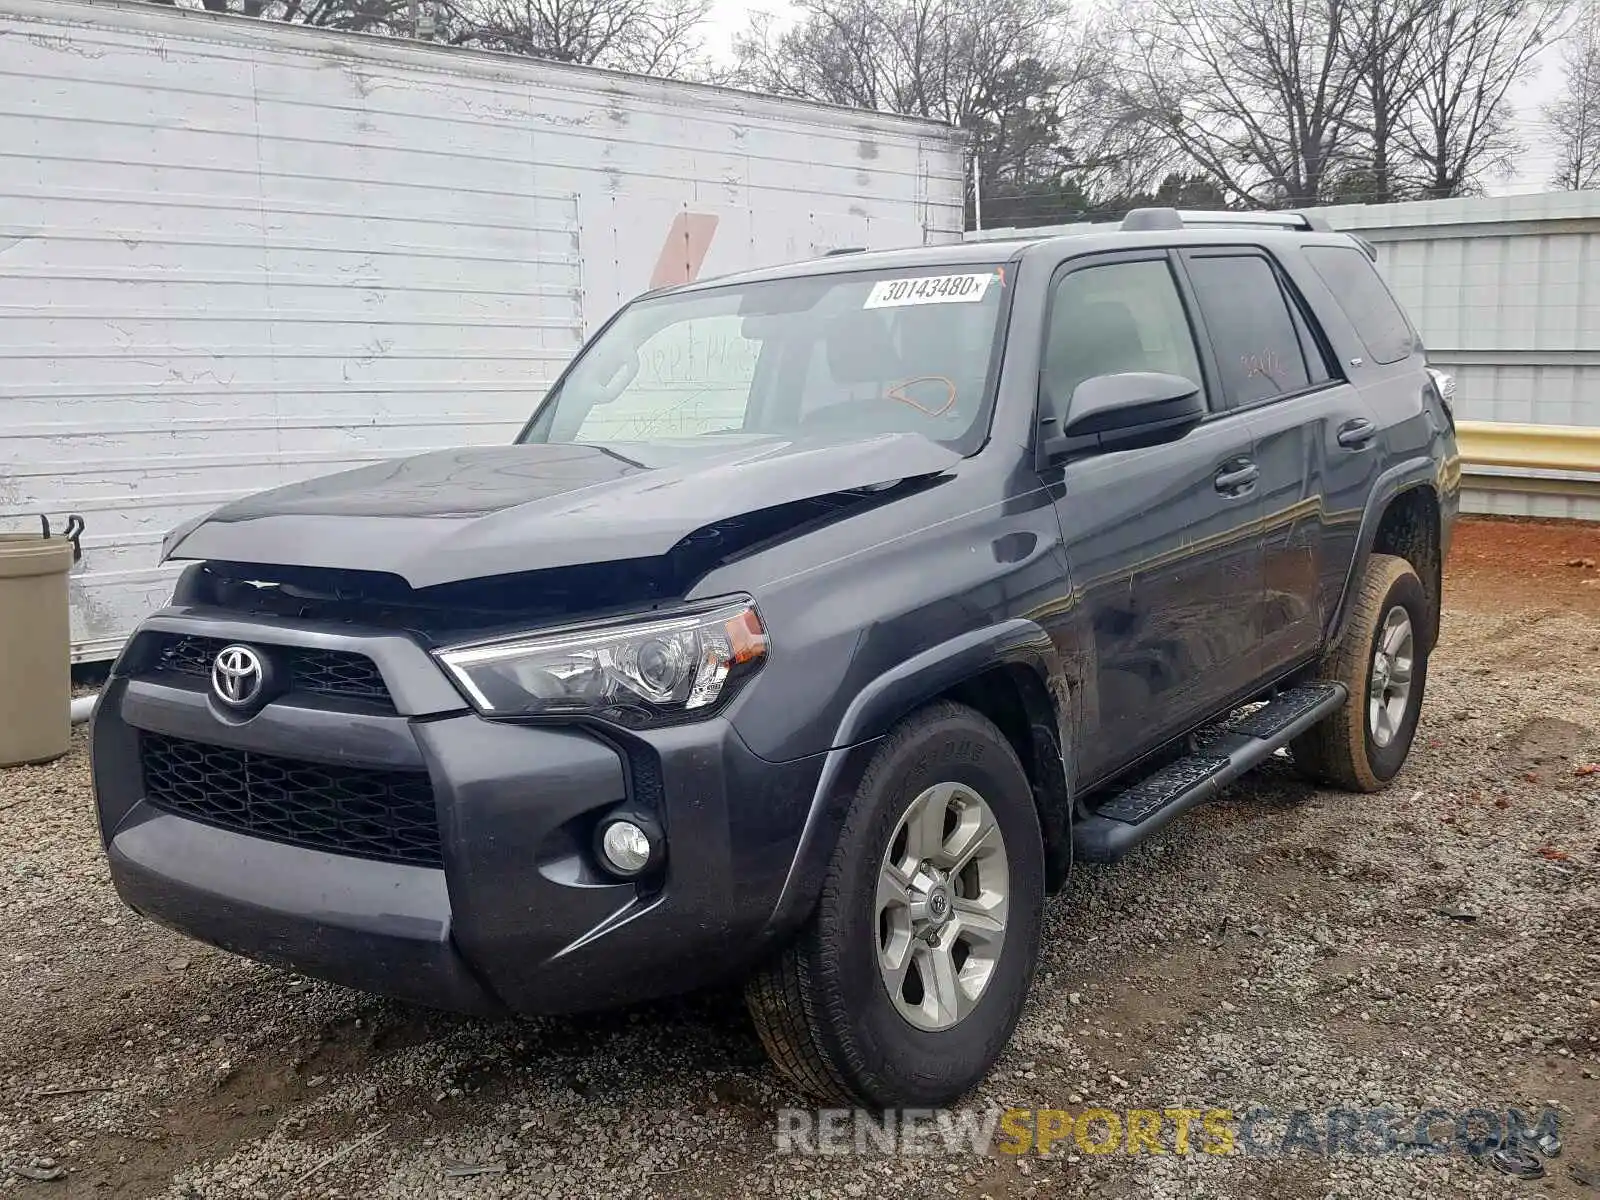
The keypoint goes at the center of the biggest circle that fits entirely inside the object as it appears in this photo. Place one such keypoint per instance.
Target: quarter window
(1360, 291)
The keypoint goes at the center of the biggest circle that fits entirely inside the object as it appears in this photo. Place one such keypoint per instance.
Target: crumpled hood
(466, 514)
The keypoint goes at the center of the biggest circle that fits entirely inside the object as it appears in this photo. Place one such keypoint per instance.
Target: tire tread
(1334, 751)
(782, 997)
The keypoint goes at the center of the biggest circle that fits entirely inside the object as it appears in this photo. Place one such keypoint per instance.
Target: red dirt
(1498, 564)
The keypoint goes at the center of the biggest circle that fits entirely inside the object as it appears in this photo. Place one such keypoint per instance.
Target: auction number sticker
(929, 289)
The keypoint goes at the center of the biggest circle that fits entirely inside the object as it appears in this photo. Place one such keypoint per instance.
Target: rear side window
(1260, 355)
(1361, 293)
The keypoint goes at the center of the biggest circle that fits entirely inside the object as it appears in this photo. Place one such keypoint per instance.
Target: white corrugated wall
(1506, 291)
(234, 254)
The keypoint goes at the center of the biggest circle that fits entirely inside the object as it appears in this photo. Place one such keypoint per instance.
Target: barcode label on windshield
(929, 289)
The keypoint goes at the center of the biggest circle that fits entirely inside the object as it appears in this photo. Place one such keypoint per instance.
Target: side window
(1124, 316)
(1259, 351)
(694, 377)
(1362, 294)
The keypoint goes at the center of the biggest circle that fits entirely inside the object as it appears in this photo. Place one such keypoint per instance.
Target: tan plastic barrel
(35, 649)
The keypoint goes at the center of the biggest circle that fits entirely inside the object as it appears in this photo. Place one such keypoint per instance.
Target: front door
(1164, 542)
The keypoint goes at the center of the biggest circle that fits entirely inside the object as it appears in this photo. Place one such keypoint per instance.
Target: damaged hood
(468, 514)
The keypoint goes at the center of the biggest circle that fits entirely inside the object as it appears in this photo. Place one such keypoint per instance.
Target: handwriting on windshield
(694, 377)
(681, 354)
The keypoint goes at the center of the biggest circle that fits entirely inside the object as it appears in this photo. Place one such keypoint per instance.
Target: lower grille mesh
(384, 815)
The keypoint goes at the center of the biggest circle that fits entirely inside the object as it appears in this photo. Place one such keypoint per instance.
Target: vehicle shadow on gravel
(443, 1059)
(317, 1073)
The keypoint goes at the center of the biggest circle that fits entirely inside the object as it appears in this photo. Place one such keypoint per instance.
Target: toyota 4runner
(817, 621)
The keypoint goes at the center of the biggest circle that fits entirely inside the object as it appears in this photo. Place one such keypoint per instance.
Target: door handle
(1353, 435)
(1237, 477)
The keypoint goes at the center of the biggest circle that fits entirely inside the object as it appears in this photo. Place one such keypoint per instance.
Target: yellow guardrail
(1530, 447)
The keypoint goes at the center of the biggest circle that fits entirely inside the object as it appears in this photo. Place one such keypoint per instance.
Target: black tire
(822, 1008)
(1341, 751)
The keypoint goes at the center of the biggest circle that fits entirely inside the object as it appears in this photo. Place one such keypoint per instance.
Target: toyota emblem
(237, 676)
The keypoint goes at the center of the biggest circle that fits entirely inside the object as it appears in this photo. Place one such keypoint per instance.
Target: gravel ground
(1435, 945)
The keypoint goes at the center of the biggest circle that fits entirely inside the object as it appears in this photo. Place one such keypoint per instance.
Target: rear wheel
(908, 980)
(1384, 668)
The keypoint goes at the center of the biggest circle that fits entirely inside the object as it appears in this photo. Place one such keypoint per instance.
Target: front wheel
(1384, 667)
(906, 983)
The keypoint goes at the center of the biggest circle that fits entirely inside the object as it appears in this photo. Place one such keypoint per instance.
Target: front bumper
(519, 917)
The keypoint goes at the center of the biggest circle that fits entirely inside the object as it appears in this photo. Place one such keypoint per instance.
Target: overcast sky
(1534, 166)
(1538, 160)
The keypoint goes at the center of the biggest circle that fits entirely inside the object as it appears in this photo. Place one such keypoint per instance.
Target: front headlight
(1445, 384)
(637, 672)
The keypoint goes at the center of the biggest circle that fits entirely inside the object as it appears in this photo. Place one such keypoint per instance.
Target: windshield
(840, 357)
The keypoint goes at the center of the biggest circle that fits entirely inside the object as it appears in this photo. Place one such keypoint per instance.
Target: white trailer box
(234, 254)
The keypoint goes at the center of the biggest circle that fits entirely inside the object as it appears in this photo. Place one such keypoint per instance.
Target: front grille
(385, 815)
(336, 673)
(323, 672)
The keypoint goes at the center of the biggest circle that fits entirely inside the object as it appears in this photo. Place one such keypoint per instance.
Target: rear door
(1164, 542)
(1382, 357)
(1315, 440)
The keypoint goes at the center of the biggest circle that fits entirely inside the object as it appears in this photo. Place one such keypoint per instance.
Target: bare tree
(1382, 37)
(1039, 94)
(931, 58)
(1469, 55)
(656, 37)
(831, 53)
(1024, 77)
(1574, 118)
(361, 16)
(358, 16)
(1259, 94)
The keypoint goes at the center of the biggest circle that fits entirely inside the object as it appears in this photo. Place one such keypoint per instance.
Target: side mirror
(1126, 411)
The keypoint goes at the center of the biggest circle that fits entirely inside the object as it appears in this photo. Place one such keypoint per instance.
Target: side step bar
(1226, 751)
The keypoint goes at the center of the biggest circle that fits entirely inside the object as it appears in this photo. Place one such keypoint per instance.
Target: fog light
(625, 847)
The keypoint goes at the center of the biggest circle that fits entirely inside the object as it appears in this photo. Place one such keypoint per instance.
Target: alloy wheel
(942, 901)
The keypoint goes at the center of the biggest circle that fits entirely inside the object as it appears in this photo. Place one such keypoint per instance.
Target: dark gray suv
(817, 620)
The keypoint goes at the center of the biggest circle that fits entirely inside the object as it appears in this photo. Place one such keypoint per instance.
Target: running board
(1223, 752)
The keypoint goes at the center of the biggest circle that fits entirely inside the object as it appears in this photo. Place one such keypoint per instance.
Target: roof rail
(1173, 218)
(845, 250)
(1367, 247)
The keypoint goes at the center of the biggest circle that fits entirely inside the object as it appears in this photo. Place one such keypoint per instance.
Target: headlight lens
(1445, 384)
(636, 672)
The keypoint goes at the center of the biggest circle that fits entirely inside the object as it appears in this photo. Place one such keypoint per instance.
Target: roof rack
(1173, 218)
